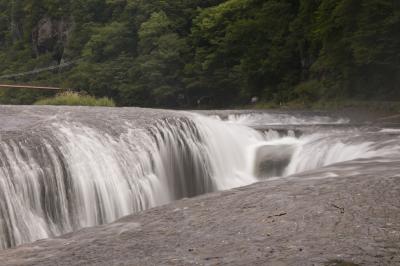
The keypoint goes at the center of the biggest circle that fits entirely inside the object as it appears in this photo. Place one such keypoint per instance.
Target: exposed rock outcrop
(51, 35)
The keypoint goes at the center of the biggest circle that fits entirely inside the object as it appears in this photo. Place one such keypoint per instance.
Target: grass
(76, 99)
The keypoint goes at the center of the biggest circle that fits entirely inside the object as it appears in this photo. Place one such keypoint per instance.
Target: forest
(208, 53)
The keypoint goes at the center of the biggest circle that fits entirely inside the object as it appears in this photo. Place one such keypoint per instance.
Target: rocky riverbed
(306, 219)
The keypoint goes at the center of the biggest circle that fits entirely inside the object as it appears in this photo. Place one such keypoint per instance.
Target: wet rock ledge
(353, 220)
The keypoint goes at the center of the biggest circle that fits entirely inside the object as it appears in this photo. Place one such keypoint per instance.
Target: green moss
(76, 99)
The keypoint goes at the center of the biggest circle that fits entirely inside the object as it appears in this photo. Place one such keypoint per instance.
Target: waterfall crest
(73, 175)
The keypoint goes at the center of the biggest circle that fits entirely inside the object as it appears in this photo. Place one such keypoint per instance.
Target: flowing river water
(66, 168)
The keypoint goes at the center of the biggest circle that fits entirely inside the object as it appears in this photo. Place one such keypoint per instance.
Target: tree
(158, 67)
(109, 41)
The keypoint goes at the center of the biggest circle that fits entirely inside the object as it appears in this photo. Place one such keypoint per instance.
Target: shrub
(76, 99)
(309, 91)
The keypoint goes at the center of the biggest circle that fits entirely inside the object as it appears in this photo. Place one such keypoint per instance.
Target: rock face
(302, 220)
(51, 35)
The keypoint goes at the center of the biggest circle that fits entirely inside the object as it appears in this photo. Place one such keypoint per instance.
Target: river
(66, 168)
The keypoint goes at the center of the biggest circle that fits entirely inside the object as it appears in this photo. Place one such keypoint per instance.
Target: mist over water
(256, 119)
(78, 167)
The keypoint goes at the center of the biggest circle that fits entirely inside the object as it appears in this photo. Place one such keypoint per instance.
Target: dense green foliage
(184, 53)
(76, 99)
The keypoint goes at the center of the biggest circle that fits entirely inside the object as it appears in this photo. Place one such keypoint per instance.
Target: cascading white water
(82, 176)
(318, 150)
(285, 155)
(254, 119)
(75, 172)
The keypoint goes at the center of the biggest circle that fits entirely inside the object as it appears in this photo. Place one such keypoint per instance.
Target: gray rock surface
(302, 220)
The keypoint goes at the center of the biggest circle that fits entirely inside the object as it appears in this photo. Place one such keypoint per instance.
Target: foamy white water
(83, 167)
(254, 119)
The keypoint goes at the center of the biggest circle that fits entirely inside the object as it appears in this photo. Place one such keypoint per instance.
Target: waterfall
(85, 167)
(73, 175)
